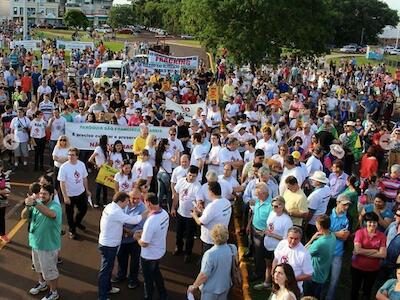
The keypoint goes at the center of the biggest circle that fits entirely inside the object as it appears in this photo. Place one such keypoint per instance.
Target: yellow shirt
(154, 78)
(138, 145)
(227, 91)
(295, 202)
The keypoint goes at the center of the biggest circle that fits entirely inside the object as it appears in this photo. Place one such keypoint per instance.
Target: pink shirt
(377, 241)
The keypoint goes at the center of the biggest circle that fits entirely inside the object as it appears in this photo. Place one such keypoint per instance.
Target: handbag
(236, 276)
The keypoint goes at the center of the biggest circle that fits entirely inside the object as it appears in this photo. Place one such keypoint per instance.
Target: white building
(39, 12)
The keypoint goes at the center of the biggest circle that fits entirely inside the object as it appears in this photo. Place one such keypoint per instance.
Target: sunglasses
(63, 140)
(276, 206)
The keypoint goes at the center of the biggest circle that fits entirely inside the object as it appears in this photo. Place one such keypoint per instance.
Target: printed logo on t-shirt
(139, 171)
(185, 194)
(125, 186)
(271, 226)
(77, 176)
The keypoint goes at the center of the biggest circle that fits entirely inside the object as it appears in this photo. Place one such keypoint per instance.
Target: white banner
(186, 110)
(28, 44)
(69, 45)
(85, 136)
(171, 62)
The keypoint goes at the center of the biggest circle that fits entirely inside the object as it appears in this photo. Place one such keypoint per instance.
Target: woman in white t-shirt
(213, 156)
(117, 155)
(125, 179)
(100, 157)
(278, 224)
(60, 156)
(151, 142)
(38, 138)
(164, 159)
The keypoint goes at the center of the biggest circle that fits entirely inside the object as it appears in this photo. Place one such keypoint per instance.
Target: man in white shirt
(186, 190)
(314, 161)
(74, 187)
(292, 252)
(46, 107)
(153, 240)
(112, 221)
(217, 212)
(179, 172)
(198, 156)
(20, 128)
(175, 144)
(317, 201)
(267, 144)
(229, 155)
(203, 196)
(43, 89)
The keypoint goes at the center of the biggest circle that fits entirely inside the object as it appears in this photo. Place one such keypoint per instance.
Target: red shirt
(134, 121)
(26, 84)
(366, 263)
(369, 166)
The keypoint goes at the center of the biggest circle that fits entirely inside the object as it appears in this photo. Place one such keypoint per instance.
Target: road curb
(243, 264)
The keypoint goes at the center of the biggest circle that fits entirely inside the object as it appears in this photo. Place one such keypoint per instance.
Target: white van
(109, 67)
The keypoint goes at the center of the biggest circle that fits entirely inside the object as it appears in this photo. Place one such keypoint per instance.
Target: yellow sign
(213, 93)
(106, 176)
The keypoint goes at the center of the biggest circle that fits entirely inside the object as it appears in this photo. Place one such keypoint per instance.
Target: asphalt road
(81, 260)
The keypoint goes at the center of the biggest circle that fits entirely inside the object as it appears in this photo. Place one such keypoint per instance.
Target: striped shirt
(390, 187)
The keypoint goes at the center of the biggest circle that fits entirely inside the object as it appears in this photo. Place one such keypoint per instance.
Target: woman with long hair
(125, 179)
(164, 159)
(117, 155)
(60, 156)
(284, 284)
(99, 157)
(151, 142)
(38, 138)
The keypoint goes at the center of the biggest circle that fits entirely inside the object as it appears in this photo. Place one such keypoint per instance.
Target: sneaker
(81, 227)
(40, 287)
(117, 279)
(114, 290)
(95, 205)
(262, 286)
(5, 238)
(59, 261)
(52, 295)
(72, 235)
(133, 285)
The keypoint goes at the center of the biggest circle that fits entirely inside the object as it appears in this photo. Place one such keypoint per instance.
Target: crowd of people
(309, 157)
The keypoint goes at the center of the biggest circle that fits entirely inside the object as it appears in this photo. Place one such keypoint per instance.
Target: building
(51, 12)
(4, 9)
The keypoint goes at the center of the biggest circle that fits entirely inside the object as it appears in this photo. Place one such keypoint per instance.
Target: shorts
(45, 262)
(22, 150)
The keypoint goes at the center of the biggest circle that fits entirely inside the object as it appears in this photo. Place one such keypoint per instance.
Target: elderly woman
(215, 273)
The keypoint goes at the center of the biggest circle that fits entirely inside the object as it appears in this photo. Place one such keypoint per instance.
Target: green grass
(114, 46)
(186, 42)
(362, 61)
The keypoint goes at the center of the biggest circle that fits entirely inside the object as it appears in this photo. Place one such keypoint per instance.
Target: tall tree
(76, 19)
(255, 31)
(121, 16)
(358, 20)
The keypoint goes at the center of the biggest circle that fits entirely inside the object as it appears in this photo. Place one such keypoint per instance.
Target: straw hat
(320, 177)
(337, 151)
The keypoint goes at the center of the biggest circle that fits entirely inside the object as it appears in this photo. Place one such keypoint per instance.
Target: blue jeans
(108, 255)
(336, 267)
(164, 188)
(126, 250)
(151, 275)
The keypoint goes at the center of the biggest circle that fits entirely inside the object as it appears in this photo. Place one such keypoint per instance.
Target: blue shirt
(35, 79)
(216, 264)
(338, 223)
(393, 252)
(10, 80)
(261, 213)
(389, 287)
(133, 211)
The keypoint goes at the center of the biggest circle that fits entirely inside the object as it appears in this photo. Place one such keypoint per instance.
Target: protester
(5, 191)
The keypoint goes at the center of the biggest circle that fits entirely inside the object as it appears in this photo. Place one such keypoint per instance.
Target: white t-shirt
(42, 90)
(187, 194)
(154, 233)
(227, 156)
(60, 153)
(280, 226)
(248, 156)
(166, 163)
(152, 155)
(318, 200)
(112, 221)
(298, 258)
(217, 212)
(213, 157)
(79, 118)
(21, 128)
(125, 184)
(313, 164)
(296, 172)
(100, 158)
(73, 175)
(175, 145)
(57, 128)
(142, 169)
(198, 153)
(226, 192)
(38, 128)
(178, 173)
(117, 160)
(270, 147)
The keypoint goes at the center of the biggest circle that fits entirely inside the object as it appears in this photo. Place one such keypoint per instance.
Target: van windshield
(109, 73)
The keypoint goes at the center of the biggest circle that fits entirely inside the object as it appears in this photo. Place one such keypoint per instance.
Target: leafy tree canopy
(121, 16)
(76, 19)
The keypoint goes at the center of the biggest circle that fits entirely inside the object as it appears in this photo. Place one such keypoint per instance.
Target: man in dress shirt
(337, 182)
(267, 144)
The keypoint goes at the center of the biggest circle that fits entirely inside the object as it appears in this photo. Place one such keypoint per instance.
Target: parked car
(61, 26)
(395, 51)
(125, 31)
(387, 49)
(349, 49)
(104, 29)
(187, 37)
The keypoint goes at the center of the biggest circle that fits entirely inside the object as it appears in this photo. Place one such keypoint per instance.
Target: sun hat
(320, 177)
(337, 151)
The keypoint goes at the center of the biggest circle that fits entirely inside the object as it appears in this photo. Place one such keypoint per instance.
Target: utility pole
(25, 21)
(362, 36)
(398, 35)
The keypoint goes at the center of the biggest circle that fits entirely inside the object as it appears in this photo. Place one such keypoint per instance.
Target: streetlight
(25, 21)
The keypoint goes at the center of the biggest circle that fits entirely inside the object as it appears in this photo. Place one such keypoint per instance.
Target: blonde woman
(60, 156)
(151, 143)
(278, 224)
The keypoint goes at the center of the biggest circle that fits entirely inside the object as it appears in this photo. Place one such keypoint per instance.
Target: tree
(358, 20)
(255, 31)
(76, 19)
(121, 16)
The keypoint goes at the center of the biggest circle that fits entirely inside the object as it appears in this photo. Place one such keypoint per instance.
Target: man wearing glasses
(74, 186)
